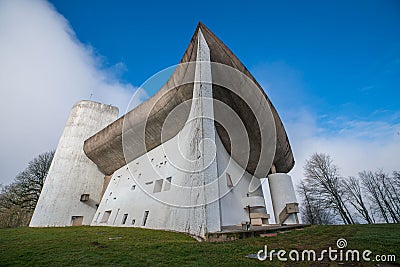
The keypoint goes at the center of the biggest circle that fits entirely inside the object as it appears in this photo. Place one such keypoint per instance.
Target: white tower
(73, 186)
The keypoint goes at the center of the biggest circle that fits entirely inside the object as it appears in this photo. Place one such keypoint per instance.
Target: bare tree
(31, 180)
(373, 196)
(391, 187)
(327, 186)
(18, 199)
(311, 210)
(396, 180)
(395, 189)
(356, 198)
(370, 184)
(383, 194)
(11, 214)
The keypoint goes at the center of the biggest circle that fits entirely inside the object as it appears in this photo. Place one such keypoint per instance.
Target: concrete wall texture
(71, 173)
(189, 159)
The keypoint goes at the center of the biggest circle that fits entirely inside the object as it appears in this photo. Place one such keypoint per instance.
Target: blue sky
(331, 68)
(337, 60)
(344, 55)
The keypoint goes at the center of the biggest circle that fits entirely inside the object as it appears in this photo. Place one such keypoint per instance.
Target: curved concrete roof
(143, 126)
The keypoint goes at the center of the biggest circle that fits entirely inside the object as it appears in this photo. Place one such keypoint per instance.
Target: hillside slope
(108, 246)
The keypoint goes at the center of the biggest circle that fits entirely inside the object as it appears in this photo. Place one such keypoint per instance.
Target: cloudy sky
(332, 69)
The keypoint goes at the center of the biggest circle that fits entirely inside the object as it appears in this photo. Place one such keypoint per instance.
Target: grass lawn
(108, 246)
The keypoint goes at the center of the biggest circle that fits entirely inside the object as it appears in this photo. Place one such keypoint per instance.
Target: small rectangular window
(106, 216)
(229, 180)
(124, 218)
(146, 214)
(158, 186)
(167, 185)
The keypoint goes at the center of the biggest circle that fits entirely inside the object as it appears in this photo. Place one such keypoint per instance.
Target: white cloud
(44, 70)
(353, 145)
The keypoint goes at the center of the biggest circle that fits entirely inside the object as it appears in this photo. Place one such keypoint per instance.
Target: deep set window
(124, 218)
(146, 214)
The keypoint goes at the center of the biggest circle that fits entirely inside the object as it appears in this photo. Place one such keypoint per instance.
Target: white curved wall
(71, 173)
(131, 192)
(141, 189)
(282, 192)
(198, 200)
(246, 188)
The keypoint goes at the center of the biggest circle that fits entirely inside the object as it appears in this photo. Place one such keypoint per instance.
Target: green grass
(90, 246)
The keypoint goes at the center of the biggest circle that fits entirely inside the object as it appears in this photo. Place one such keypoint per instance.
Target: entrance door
(77, 220)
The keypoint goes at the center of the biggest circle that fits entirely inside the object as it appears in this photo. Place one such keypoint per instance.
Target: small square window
(84, 197)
